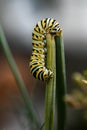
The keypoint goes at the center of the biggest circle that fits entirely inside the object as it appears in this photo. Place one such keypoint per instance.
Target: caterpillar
(38, 58)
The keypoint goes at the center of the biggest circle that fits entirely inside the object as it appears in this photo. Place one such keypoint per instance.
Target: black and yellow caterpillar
(39, 50)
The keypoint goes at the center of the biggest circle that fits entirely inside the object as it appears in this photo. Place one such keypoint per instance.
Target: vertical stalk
(60, 83)
(18, 78)
(50, 84)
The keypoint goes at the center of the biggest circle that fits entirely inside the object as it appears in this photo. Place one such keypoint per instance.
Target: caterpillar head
(47, 74)
(50, 73)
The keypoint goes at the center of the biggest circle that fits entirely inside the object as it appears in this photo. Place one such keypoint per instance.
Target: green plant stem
(18, 78)
(50, 84)
(60, 83)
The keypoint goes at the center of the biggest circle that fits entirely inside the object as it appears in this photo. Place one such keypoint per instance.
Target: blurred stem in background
(17, 76)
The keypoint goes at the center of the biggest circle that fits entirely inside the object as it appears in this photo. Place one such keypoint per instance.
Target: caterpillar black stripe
(38, 57)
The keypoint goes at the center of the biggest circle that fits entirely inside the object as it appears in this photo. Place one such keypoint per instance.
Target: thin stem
(50, 84)
(60, 83)
(18, 78)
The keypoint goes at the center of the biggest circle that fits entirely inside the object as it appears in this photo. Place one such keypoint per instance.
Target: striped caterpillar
(38, 58)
